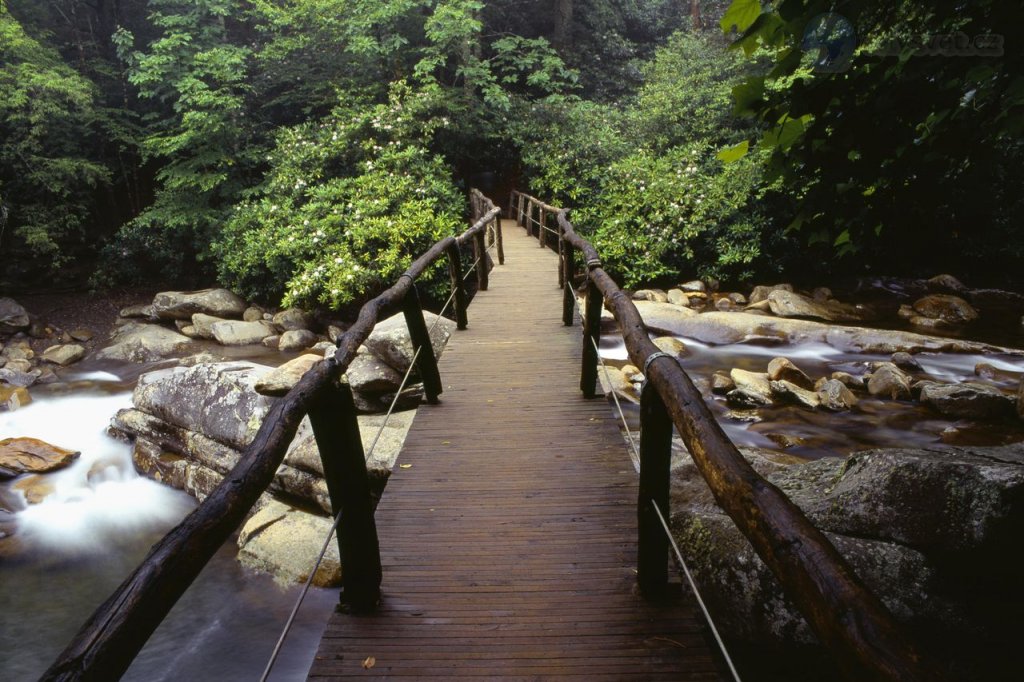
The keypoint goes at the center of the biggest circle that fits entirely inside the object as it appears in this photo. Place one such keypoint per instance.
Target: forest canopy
(305, 150)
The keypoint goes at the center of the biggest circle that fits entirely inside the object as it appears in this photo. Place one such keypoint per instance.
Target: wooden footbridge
(508, 545)
(515, 539)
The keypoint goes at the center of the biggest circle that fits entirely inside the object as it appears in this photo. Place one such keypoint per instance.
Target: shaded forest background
(303, 150)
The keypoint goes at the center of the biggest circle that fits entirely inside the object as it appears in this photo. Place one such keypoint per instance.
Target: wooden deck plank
(508, 536)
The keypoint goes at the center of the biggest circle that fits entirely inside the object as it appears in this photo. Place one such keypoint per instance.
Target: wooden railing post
(459, 290)
(655, 462)
(501, 243)
(519, 214)
(591, 338)
(480, 251)
(568, 295)
(542, 236)
(336, 430)
(426, 363)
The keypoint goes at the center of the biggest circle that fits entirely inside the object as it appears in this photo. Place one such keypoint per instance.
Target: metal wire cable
(696, 592)
(334, 527)
(337, 520)
(680, 562)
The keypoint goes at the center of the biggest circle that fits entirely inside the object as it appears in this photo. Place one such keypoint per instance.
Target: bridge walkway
(508, 528)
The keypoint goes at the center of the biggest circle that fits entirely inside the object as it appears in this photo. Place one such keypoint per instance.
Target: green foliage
(895, 147)
(347, 205)
(646, 179)
(680, 213)
(200, 136)
(48, 168)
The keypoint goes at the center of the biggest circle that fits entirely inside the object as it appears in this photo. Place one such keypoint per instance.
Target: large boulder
(240, 333)
(391, 343)
(217, 400)
(719, 328)
(665, 318)
(182, 305)
(285, 542)
(370, 375)
(931, 532)
(13, 317)
(790, 304)
(968, 400)
(138, 342)
(202, 324)
(33, 456)
(889, 381)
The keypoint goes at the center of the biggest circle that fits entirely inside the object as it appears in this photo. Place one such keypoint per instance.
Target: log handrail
(847, 617)
(108, 642)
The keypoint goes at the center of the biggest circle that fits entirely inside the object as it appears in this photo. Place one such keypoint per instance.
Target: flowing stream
(74, 548)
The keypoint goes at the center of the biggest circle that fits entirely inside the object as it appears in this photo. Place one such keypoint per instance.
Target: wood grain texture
(508, 530)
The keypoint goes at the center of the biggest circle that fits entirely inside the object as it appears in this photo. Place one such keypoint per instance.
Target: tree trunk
(695, 18)
(561, 33)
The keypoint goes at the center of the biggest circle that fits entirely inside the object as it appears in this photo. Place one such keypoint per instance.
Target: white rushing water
(99, 499)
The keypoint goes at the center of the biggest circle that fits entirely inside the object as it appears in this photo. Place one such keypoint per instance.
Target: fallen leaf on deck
(369, 662)
(405, 466)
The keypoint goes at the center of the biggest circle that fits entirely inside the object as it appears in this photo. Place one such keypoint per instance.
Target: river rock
(203, 325)
(790, 392)
(142, 311)
(239, 333)
(219, 401)
(252, 314)
(279, 381)
(35, 488)
(13, 397)
(672, 346)
(33, 456)
(790, 304)
(755, 382)
(22, 366)
(950, 309)
(968, 400)
(614, 380)
(761, 292)
(695, 286)
(678, 297)
(17, 378)
(988, 371)
(380, 460)
(888, 381)
(783, 369)
(833, 395)
(285, 542)
(947, 284)
(721, 383)
(655, 295)
(64, 355)
(296, 339)
(182, 305)
(906, 362)
(746, 399)
(137, 342)
(82, 334)
(13, 317)
(390, 340)
(293, 319)
(272, 342)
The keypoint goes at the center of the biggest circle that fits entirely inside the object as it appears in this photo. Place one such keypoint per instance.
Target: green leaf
(747, 95)
(843, 238)
(741, 14)
(734, 153)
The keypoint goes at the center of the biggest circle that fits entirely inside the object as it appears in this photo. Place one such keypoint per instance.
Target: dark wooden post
(455, 271)
(655, 462)
(519, 214)
(426, 363)
(501, 243)
(336, 431)
(480, 248)
(568, 295)
(560, 236)
(542, 236)
(591, 338)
